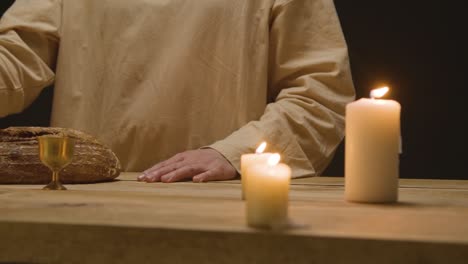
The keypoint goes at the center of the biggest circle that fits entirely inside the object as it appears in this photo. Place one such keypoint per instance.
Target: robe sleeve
(310, 84)
(29, 38)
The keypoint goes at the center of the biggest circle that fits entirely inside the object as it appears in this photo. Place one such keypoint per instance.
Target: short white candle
(267, 194)
(250, 159)
(371, 149)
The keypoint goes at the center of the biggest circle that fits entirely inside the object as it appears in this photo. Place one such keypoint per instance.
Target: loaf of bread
(19, 158)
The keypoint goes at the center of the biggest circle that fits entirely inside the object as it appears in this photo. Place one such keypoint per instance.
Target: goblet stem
(55, 184)
(55, 176)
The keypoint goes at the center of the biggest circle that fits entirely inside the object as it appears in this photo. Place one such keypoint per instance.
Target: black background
(415, 47)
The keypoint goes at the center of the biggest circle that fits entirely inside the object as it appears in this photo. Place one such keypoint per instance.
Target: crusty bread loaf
(20, 163)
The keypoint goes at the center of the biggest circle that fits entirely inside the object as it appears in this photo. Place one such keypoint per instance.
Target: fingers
(204, 177)
(216, 174)
(180, 171)
(155, 176)
(199, 165)
(150, 173)
(174, 172)
(184, 173)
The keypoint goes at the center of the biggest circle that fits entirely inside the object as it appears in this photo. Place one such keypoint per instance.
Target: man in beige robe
(151, 79)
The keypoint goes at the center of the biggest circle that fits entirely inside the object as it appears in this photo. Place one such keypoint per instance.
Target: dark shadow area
(38, 114)
(416, 48)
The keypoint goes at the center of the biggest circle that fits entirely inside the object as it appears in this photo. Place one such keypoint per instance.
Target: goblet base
(54, 186)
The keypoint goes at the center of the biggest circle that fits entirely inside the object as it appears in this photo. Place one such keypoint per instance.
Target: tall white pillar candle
(372, 149)
(250, 159)
(267, 194)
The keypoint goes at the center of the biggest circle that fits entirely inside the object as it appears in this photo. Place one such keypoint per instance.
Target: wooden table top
(190, 221)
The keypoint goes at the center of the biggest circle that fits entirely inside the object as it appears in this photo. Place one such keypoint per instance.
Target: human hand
(200, 165)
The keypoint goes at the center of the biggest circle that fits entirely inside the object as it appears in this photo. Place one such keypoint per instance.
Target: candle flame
(379, 92)
(261, 148)
(274, 159)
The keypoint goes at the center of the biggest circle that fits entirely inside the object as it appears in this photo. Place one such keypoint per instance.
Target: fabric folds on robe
(154, 78)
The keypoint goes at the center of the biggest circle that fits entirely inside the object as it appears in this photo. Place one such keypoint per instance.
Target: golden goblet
(56, 152)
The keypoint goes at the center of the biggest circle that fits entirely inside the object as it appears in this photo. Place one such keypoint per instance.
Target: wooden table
(132, 222)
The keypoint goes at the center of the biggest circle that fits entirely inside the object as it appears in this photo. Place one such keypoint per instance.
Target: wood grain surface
(126, 221)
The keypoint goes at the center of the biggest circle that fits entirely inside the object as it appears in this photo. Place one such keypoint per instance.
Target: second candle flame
(274, 159)
(379, 92)
(261, 148)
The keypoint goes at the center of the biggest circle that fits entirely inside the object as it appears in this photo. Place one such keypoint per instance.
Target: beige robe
(154, 78)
